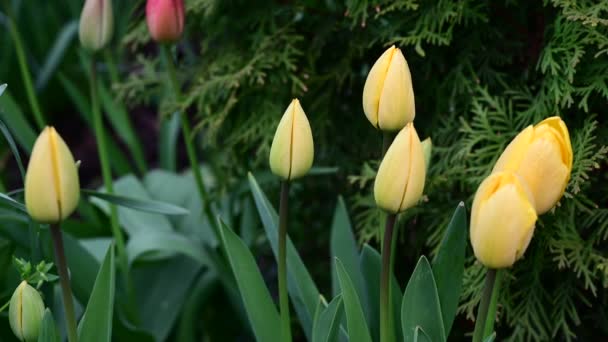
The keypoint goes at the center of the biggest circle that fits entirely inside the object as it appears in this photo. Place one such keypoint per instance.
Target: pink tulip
(165, 19)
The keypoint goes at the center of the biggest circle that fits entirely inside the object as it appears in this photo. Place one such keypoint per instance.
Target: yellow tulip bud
(292, 149)
(542, 157)
(388, 95)
(502, 220)
(52, 188)
(96, 24)
(400, 179)
(427, 149)
(25, 312)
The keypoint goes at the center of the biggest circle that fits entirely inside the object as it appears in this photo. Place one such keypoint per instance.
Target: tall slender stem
(64, 280)
(283, 295)
(106, 172)
(386, 323)
(187, 132)
(482, 312)
(489, 327)
(26, 76)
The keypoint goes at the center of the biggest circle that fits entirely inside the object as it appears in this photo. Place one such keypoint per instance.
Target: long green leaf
(355, 318)
(448, 266)
(167, 242)
(11, 202)
(54, 57)
(490, 338)
(420, 335)
(261, 311)
(149, 206)
(15, 119)
(13, 146)
(420, 306)
(2, 88)
(327, 321)
(302, 290)
(48, 329)
(96, 324)
(169, 131)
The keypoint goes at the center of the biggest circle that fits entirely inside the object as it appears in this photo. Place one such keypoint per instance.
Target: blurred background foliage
(482, 71)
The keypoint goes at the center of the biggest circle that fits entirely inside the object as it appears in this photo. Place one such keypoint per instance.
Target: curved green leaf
(2, 88)
(96, 323)
(141, 244)
(54, 57)
(11, 202)
(490, 338)
(420, 335)
(149, 206)
(48, 329)
(261, 311)
(355, 319)
(15, 119)
(302, 289)
(420, 306)
(327, 320)
(13, 146)
(448, 266)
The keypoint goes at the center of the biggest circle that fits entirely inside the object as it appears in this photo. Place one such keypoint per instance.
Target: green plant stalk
(106, 173)
(283, 295)
(187, 133)
(5, 306)
(484, 304)
(387, 333)
(26, 75)
(491, 316)
(64, 280)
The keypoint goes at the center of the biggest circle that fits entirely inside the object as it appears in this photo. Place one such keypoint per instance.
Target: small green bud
(25, 312)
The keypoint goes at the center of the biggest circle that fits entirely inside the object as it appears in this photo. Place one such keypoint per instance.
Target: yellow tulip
(400, 179)
(542, 157)
(52, 188)
(96, 24)
(388, 95)
(292, 150)
(502, 220)
(25, 312)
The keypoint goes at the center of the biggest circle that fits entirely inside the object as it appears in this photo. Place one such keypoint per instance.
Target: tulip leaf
(260, 308)
(164, 242)
(48, 329)
(146, 205)
(2, 88)
(371, 266)
(13, 116)
(420, 335)
(11, 202)
(13, 146)
(490, 338)
(326, 324)
(55, 56)
(420, 306)
(169, 132)
(96, 323)
(448, 266)
(355, 318)
(302, 290)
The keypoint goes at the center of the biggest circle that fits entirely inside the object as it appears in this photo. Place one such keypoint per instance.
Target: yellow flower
(52, 188)
(292, 150)
(400, 179)
(25, 312)
(388, 95)
(502, 220)
(96, 24)
(542, 157)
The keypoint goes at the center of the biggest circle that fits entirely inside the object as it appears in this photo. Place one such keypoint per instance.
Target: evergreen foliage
(482, 71)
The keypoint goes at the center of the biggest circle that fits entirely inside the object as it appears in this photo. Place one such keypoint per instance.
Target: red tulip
(165, 19)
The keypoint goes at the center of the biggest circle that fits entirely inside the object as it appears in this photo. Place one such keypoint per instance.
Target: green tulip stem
(64, 280)
(283, 295)
(484, 304)
(106, 172)
(491, 316)
(5, 306)
(386, 316)
(187, 133)
(26, 75)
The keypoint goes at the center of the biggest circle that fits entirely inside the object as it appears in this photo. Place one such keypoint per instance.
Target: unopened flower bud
(400, 180)
(52, 187)
(25, 312)
(388, 94)
(165, 19)
(96, 24)
(292, 150)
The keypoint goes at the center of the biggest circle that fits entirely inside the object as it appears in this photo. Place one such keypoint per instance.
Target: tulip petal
(302, 149)
(396, 107)
(40, 187)
(511, 157)
(280, 151)
(67, 175)
(417, 172)
(372, 90)
(561, 130)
